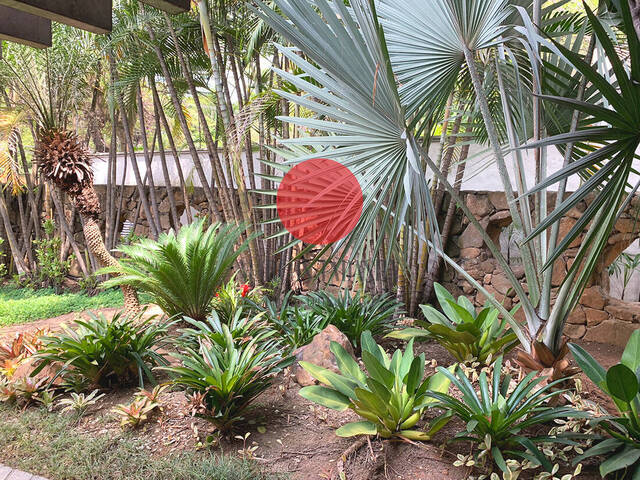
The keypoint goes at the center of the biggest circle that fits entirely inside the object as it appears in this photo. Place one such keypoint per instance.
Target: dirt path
(55, 323)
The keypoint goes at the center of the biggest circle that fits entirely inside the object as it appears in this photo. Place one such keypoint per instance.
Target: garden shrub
(51, 270)
(353, 315)
(231, 297)
(242, 327)
(391, 396)
(105, 353)
(295, 325)
(183, 271)
(467, 334)
(498, 415)
(224, 376)
(621, 383)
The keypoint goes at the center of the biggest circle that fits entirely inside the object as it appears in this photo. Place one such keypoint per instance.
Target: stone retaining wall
(598, 317)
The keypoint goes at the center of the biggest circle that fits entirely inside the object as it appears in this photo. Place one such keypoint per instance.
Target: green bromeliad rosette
(390, 396)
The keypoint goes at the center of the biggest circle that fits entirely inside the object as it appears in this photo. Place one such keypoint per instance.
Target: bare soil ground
(296, 437)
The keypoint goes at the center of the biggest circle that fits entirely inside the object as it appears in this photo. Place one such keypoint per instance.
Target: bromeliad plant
(231, 297)
(499, 413)
(226, 376)
(622, 384)
(391, 395)
(182, 271)
(103, 352)
(294, 325)
(353, 315)
(467, 334)
(242, 328)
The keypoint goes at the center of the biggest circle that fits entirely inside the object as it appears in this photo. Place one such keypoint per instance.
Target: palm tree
(382, 71)
(50, 86)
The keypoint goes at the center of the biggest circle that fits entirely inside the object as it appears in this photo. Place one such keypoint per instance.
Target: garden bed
(292, 436)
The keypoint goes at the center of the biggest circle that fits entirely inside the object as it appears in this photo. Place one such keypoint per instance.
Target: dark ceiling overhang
(29, 21)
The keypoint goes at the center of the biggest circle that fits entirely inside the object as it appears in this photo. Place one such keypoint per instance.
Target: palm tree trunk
(96, 245)
(176, 155)
(134, 160)
(66, 228)
(175, 220)
(434, 274)
(21, 267)
(185, 128)
(217, 171)
(148, 157)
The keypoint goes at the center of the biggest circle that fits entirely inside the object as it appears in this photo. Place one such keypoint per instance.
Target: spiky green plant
(227, 376)
(103, 352)
(181, 271)
(391, 396)
(622, 384)
(353, 314)
(499, 413)
(466, 333)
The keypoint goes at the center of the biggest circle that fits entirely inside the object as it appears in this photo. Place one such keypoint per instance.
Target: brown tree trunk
(13, 242)
(96, 245)
(185, 128)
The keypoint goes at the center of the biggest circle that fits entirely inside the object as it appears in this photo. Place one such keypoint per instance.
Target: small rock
(575, 332)
(318, 353)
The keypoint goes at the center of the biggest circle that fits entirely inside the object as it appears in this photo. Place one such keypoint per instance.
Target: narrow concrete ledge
(7, 473)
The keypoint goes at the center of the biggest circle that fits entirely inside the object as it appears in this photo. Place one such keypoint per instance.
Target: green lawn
(21, 305)
(48, 444)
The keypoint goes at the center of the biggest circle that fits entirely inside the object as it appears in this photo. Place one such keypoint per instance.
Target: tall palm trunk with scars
(64, 161)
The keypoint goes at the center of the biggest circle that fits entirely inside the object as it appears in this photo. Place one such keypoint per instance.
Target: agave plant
(391, 396)
(621, 383)
(181, 271)
(501, 413)
(105, 352)
(467, 334)
(227, 376)
(353, 314)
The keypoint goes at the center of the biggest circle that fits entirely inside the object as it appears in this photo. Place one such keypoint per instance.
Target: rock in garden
(318, 352)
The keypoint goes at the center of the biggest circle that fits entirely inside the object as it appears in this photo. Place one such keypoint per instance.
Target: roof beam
(21, 27)
(91, 15)
(170, 6)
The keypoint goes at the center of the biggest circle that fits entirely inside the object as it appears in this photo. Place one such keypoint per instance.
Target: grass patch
(46, 444)
(21, 305)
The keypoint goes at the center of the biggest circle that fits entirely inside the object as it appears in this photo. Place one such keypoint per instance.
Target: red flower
(245, 289)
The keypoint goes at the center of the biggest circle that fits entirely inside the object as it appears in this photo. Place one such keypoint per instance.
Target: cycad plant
(181, 271)
(379, 78)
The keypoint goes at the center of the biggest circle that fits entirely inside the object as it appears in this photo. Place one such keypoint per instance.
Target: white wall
(481, 173)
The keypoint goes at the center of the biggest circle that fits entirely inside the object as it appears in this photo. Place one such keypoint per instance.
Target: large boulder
(318, 352)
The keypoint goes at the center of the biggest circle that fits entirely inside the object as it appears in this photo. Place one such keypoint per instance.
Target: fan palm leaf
(360, 121)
